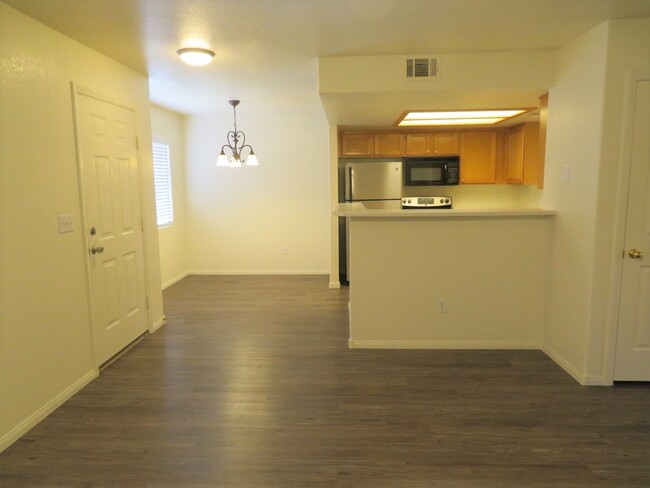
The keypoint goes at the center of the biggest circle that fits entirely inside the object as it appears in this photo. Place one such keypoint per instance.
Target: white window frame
(162, 177)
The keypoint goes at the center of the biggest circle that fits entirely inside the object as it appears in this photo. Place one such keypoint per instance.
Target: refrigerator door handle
(351, 182)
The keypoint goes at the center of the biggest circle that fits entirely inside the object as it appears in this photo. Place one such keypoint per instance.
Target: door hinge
(146, 300)
(142, 225)
(137, 143)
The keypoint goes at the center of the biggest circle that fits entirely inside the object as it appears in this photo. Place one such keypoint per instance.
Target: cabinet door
(515, 155)
(541, 142)
(356, 144)
(419, 144)
(445, 143)
(531, 153)
(389, 144)
(478, 157)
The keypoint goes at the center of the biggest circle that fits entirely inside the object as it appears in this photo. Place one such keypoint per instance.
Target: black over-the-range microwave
(431, 171)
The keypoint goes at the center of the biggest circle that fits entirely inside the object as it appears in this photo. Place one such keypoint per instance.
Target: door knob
(97, 249)
(635, 254)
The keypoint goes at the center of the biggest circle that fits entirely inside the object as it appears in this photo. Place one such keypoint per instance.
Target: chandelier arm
(241, 137)
(231, 139)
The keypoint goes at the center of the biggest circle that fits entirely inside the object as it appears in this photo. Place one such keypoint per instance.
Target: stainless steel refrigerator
(376, 183)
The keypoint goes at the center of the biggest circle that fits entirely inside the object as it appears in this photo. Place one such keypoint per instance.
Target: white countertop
(358, 209)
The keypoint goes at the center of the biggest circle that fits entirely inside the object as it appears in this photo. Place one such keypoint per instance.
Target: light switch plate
(65, 223)
(566, 172)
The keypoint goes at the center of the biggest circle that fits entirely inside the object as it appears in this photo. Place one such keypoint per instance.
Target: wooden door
(106, 140)
(389, 144)
(515, 155)
(541, 146)
(445, 143)
(356, 144)
(419, 144)
(632, 362)
(478, 157)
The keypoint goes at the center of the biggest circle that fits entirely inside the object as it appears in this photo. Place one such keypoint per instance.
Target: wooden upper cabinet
(478, 157)
(419, 144)
(541, 142)
(398, 143)
(445, 143)
(521, 154)
(389, 144)
(356, 144)
(515, 155)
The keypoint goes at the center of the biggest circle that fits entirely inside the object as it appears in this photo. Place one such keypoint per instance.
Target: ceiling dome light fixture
(195, 56)
(236, 159)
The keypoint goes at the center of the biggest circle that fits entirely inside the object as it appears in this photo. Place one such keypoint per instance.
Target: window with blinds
(162, 177)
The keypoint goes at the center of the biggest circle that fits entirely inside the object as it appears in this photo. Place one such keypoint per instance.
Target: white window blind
(162, 177)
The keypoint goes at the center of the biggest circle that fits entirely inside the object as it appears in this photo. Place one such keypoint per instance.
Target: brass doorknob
(97, 249)
(635, 254)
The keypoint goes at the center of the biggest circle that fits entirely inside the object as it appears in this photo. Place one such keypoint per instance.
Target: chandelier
(236, 146)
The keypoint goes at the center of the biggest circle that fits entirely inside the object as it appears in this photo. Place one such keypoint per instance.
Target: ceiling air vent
(421, 67)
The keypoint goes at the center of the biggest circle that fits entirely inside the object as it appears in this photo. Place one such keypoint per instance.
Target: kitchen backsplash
(483, 196)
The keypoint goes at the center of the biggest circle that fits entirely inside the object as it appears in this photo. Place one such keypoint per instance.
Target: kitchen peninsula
(447, 278)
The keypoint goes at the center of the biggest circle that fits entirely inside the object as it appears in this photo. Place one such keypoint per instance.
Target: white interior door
(107, 146)
(632, 362)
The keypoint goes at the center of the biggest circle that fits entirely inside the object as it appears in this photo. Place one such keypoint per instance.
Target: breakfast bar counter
(368, 210)
(461, 279)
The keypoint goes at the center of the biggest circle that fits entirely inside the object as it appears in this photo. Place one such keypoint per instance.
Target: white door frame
(625, 159)
(77, 90)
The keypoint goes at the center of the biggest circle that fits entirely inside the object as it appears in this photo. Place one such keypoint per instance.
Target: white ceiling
(262, 41)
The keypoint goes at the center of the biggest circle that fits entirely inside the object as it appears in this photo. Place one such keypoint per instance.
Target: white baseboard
(157, 325)
(169, 283)
(261, 272)
(577, 375)
(26, 425)
(370, 344)
(597, 380)
(335, 284)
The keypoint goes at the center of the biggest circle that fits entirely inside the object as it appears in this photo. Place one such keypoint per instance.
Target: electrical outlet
(442, 305)
(285, 250)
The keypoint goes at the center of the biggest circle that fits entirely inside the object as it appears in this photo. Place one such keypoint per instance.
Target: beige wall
(239, 219)
(45, 341)
(573, 138)
(491, 271)
(167, 126)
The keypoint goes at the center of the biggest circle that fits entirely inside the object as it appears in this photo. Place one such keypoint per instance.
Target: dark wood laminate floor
(251, 384)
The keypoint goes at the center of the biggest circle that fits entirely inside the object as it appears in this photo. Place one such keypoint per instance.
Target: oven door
(424, 173)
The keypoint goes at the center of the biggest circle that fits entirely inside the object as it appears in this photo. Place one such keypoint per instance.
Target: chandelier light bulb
(251, 160)
(222, 160)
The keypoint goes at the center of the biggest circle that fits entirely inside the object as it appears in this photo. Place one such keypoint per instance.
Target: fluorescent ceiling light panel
(421, 122)
(458, 117)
